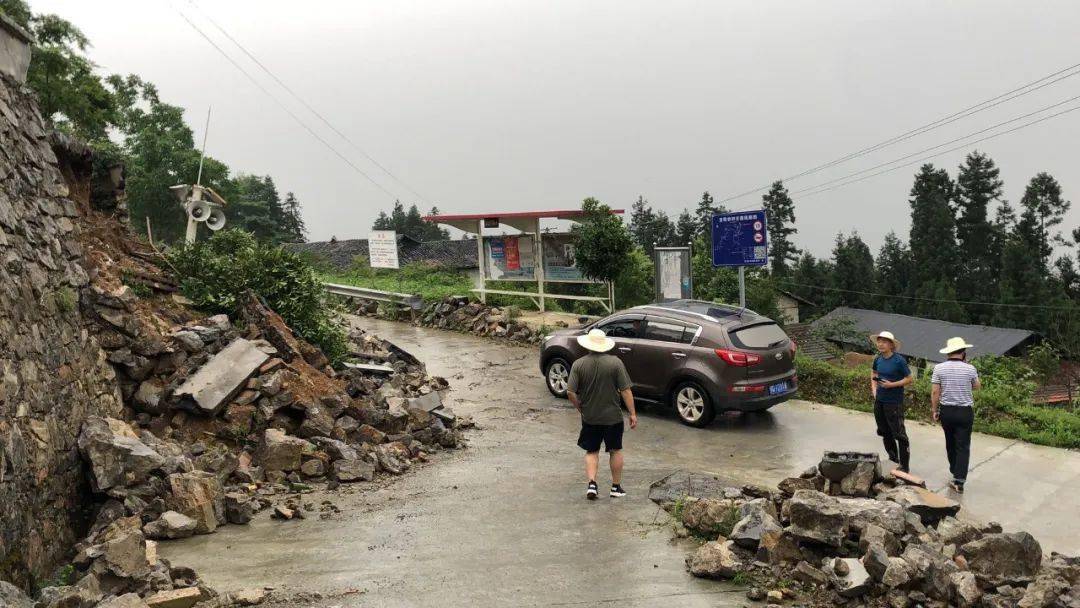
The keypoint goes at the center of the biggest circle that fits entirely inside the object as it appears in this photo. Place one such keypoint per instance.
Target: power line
(951, 118)
(941, 145)
(891, 295)
(281, 105)
(935, 155)
(300, 99)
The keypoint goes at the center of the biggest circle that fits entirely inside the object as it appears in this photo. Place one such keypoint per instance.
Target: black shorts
(593, 434)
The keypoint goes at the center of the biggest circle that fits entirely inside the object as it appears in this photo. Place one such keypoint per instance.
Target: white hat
(955, 344)
(888, 335)
(596, 341)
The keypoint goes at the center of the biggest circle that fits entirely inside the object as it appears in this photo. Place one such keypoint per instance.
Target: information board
(672, 273)
(510, 258)
(740, 239)
(382, 249)
(560, 259)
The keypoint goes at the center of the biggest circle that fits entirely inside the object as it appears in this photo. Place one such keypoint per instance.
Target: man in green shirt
(598, 385)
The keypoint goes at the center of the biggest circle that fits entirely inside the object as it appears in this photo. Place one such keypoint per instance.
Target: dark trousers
(890, 425)
(957, 422)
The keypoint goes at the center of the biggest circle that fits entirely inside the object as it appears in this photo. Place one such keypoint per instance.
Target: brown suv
(700, 357)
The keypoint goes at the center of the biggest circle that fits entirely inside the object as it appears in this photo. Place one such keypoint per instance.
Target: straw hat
(955, 344)
(596, 341)
(888, 335)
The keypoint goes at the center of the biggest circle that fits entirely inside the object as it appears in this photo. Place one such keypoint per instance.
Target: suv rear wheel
(692, 404)
(557, 376)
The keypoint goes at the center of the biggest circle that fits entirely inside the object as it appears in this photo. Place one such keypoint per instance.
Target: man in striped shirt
(953, 404)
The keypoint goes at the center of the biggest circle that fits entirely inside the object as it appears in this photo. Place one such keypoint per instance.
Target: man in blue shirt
(887, 381)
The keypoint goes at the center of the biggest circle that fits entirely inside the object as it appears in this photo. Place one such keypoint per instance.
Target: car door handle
(679, 355)
(624, 349)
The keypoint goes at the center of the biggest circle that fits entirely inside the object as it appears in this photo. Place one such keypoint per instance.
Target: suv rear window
(764, 335)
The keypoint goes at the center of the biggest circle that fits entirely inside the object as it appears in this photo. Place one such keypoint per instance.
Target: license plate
(778, 389)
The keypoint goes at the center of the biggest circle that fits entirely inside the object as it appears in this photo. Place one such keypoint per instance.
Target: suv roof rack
(702, 308)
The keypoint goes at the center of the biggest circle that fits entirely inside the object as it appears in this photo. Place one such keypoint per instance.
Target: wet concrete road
(503, 523)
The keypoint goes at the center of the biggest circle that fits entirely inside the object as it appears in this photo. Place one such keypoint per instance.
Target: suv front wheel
(692, 404)
(557, 376)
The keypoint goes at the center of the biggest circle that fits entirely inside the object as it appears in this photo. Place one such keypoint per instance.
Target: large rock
(875, 534)
(239, 508)
(929, 506)
(778, 547)
(952, 531)
(116, 455)
(281, 452)
(129, 600)
(123, 550)
(708, 516)
(170, 525)
(876, 560)
(175, 598)
(13, 597)
(338, 450)
(677, 486)
(393, 457)
(898, 573)
(317, 423)
(817, 517)
(199, 496)
(862, 512)
(1004, 558)
(965, 590)
(715, 559)
(353, 470)
(759, 517)
(1047, 591)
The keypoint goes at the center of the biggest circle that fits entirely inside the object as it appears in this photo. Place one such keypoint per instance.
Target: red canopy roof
(558, 213)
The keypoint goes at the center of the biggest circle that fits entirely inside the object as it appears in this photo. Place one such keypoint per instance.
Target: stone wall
(52, 374)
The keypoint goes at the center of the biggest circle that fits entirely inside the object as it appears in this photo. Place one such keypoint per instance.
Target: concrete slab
(210, 388)
(504, 522)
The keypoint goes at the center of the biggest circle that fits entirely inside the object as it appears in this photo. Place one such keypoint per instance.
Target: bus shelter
(532, 256)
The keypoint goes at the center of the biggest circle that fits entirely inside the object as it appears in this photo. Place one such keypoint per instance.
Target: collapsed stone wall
(53, 375)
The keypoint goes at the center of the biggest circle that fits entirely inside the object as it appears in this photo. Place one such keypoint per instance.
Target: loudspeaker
(199, 210)
(216, 220)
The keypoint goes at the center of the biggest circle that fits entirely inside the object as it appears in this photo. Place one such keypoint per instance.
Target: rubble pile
(841, 534)
(459, 314)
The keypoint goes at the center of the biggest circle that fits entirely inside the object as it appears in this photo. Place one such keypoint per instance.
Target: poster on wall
(559, 259)
(510, 258)
(672, 273)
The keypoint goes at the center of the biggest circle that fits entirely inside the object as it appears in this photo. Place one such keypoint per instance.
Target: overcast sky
(505, 105)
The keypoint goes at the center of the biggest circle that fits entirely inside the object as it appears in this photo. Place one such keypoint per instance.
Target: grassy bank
(429, 282)
(1003, 407)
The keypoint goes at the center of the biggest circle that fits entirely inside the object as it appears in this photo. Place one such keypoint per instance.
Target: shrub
(216, 272)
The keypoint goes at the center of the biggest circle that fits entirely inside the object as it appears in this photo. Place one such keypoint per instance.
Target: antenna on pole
(202, 155)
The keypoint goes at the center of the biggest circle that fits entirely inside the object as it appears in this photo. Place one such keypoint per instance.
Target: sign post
(382, 249)
(740, 239)
(672, 272)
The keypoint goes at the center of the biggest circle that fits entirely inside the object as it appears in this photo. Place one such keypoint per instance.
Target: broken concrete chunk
(129, 600)
(429, 402)
(852, 579)
(170, 525)
(116, 455)
(210, 388)
(338, 450)
(368, 368)
(758, 519)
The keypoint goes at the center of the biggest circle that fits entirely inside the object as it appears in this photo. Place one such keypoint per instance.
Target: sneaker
(956, 486)
(617, 491)
(592, 491)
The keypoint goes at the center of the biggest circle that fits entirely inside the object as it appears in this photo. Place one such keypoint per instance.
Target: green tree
(977, 186)
(292, 222)
(853, 272)
(1024, 275)
(17, 10)
(809, 279)
(1043, 200)
(650, 228)
(601, 242)
(634, 285)
(934, 252)
(780, 214)
(410, 223)
(894, 274)
(686, 228)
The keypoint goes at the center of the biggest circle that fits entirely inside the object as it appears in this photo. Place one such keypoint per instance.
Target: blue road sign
(740, 239)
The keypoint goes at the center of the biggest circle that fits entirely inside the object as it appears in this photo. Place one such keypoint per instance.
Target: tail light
(792, 347)
(738, 358)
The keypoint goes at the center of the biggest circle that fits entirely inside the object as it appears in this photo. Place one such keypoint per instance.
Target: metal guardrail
(413, 301)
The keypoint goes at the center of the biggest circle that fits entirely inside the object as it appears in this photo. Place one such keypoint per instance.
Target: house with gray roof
(922, 338)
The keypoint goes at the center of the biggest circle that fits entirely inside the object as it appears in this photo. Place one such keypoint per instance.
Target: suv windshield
(764, 335)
